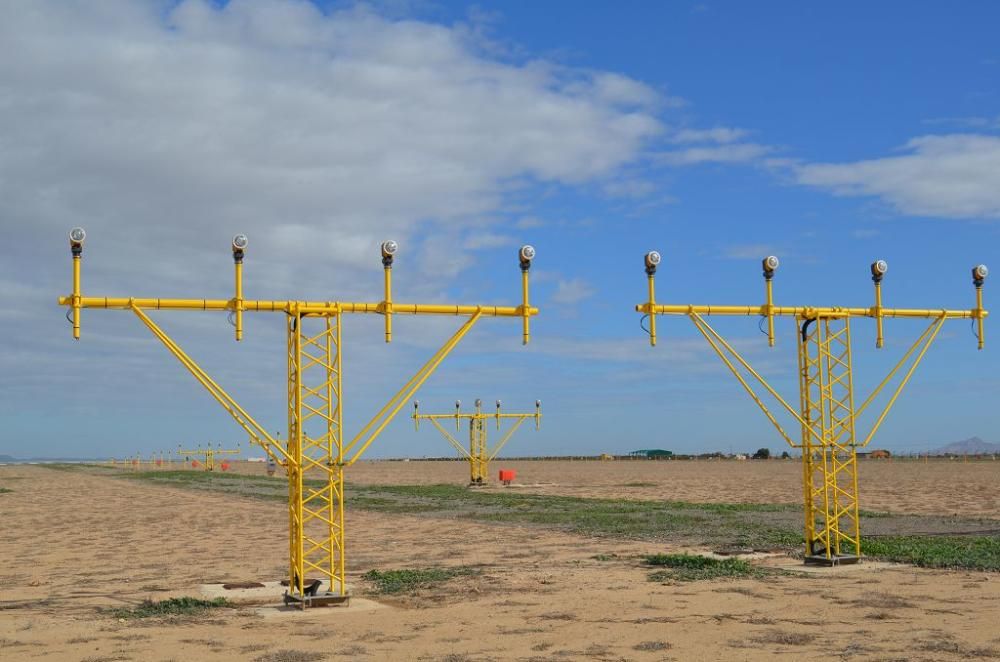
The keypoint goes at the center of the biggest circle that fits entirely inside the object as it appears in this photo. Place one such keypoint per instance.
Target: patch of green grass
(971, 552)
(409, 581)
(691, 567)
(5, 490)
(170, 607)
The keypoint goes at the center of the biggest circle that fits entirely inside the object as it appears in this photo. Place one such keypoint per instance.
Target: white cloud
(733, 153)
(572, 291)
(317, 134)
(719, 134)
(951, 176)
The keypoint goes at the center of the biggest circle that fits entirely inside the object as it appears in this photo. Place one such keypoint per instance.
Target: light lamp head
(770, 264)
(652, 260)
(389, 248)
(240, 242)
(879, 269)
(979, 274)
(77, 236)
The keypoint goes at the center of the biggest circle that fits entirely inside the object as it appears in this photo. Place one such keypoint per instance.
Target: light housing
(653, 259)
(538, 403)
(980, 272)
(479, 403)
(458, 404)
(240, 242)
(77, 236)
(880, 268)
(389, 248)
(526, 253)
(771, 263)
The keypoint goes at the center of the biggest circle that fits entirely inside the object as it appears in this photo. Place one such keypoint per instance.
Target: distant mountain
(971, 446)
(7, 458)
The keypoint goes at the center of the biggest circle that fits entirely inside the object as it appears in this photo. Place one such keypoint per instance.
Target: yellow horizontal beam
(483, 415)
(806, 311)
(313, 307)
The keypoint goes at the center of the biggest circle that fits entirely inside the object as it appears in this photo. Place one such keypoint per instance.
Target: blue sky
(716, 133)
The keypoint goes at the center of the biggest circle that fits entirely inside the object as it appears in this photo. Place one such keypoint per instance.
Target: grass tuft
(170, 607)
(691, 567)
(410, 581)
(971, 552)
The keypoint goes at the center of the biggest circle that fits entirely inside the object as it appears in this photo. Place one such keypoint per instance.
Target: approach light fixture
(389, 248)
(77, 236)
(879, 269)
(980, 272)
(652, 259)
(771, 264)
(526, 255)
(240, 242)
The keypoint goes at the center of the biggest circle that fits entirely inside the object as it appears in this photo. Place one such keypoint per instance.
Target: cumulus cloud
(718, 134)
(316, 133)
(572, 291)
(732, 153)
(949, 176)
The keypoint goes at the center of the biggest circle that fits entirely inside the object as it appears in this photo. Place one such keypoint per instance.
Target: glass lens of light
(240, 241)
(653, 258)
(77, 235)
(772, 262)
(527, 252)
(982, 271)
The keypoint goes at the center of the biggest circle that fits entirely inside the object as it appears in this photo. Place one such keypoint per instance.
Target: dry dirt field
(75, 544)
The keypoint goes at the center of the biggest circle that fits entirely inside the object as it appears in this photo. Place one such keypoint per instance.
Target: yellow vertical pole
(769, 286)
(389, 249)
(526, 254)
(240, 243)
(978, 278)
(879, 269)
(879, 339)
(76, 296)
(770, 265)
(651, 278)
(238, 301)
(340, 465)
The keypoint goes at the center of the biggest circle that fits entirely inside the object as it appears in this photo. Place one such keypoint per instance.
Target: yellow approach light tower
(479, 454)
(207, 454)
(827, 412)
(316, 453)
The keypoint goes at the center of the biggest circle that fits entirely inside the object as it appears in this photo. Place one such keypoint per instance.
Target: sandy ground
(74, 543)
(939, 487)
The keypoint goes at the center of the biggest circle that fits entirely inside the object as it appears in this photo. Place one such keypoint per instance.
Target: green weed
(170, 607)
(971, 552)
(409, 581)
(691, 567)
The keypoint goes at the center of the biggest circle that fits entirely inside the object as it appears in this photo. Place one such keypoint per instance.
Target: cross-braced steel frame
(827, 414)
(479, 454)
(316, 454)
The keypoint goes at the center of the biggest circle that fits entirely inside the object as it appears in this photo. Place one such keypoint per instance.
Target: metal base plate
(321, 600)
(843, 559)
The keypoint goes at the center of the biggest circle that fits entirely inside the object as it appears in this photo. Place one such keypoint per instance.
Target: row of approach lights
(526, 253)
(479, 402)
(879, 268)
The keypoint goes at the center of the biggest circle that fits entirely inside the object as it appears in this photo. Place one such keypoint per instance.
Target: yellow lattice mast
(207, 454)
(827, 414)
(479, 454)
(317, 452)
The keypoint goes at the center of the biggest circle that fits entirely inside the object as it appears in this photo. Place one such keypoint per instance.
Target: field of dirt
(938, 487)
(74, 545)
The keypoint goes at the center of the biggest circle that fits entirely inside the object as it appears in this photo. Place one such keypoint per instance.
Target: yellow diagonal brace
(367, 435)
(451, 440)
(255, 430)
(705, 330)
(900, 364)
(899, 389)
(508, 435)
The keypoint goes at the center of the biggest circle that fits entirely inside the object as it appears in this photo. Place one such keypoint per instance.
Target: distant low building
(652, 453)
